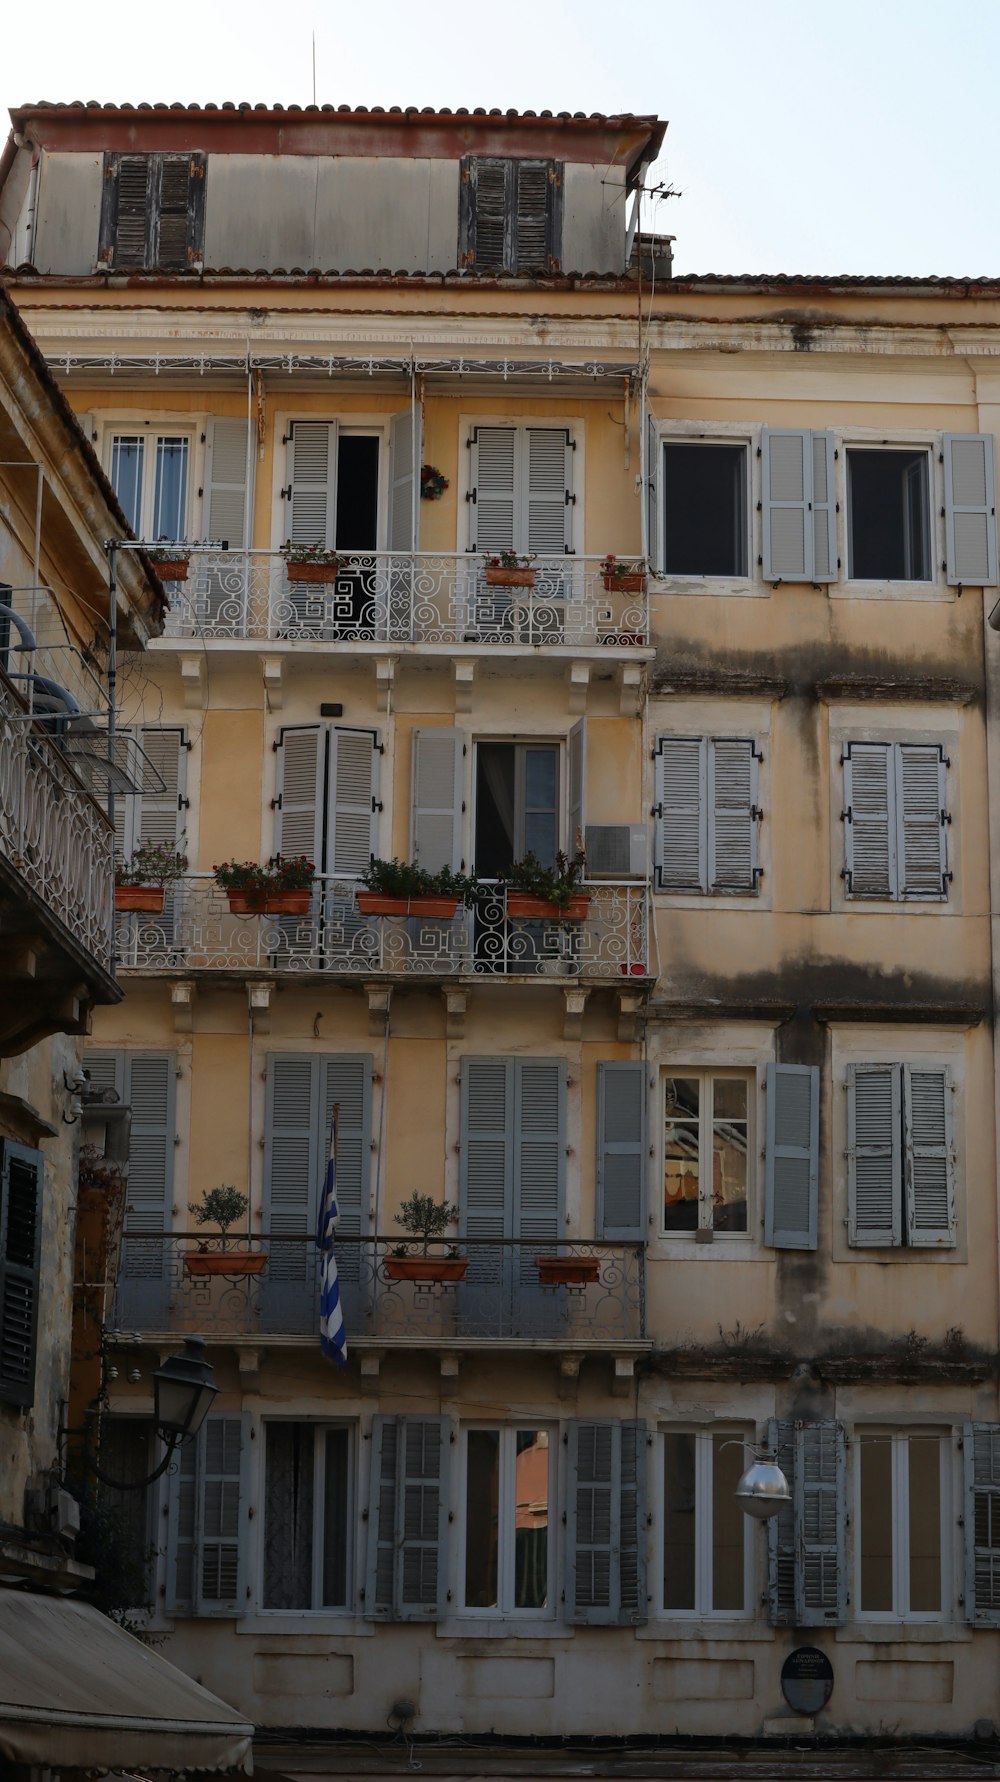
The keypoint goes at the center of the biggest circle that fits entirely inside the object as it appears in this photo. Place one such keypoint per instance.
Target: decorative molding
(465, 678)
(182, 994)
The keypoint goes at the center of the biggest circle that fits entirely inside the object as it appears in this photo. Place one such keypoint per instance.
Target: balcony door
(335, 499)
(522, 500)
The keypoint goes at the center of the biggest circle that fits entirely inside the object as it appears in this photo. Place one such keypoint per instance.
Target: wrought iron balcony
(197, 931)
(502, 1295)
(402, 597)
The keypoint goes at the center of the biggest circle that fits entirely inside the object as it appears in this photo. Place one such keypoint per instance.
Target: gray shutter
(732, 815)
(652, 510)
(403, 514)
(921, 820)
(681, 809)
(292, 1166)
(312, 474)
(981, 1456)
(870, 864)
(929, 1159)
(106, 1071)
(537, 184)
(970, 497)
(225, 511)
(874, 1155)
(605, 1524)
(162, 815)
(621, 1151)
(486, 1158)
(21, 1177)
(824, 509)
(436, 804)
(352, 792)
(788, 524)
(577, 787)
(301, 765)
(493, 493)
(182, 1526)
(347, 1080)
(222, 1515)
(781, 1545)
(127, 209)
(150, 1089)
(821, 1517)
(545, 527)
(487, 216)
(792, 1157)
(177, 231)
(539, 1154)
(406, 1575)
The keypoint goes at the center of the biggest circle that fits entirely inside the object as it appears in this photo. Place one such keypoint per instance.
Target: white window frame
(574, 426)
(899, 1439)
(505, 1609)
(151, 428)
(320, 1428)
(706, 1073)
(717, 433)
(704, 1499)
(931, 449)
(559, 744)
(360, 425)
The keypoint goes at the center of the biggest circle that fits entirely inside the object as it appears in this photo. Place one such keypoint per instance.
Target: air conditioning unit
(617, 850)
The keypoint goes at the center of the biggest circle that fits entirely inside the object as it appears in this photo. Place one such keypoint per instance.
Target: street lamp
(183, 1390)
(763, 1489)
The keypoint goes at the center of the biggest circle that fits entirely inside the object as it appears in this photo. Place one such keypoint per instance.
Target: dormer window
(510, 216)
(153, 212)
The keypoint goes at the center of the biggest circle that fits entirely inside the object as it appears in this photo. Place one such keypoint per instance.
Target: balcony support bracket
(465, 680)
(182, 995)
(379, 999)
(579, 686)
(630, 689)
(194, 681)
(385, 676)
(259, 1004)
(623, 1378)
(248, 1362)
(576, 1002)
(272, 669)
(370, 1362)
(629, 1016)
(569, 1375)
(450, 1364)
(456, 1003)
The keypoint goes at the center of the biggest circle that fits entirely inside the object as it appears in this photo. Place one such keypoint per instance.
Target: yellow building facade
(721, 1144)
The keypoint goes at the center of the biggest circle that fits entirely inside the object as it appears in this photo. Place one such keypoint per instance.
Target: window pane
(494, 808)
(925, 1524)
(540, 821)
(888, 515)
(729, 1154)
(126, 475)
(335, 1488)
(170, 493)
(288, 1516)
(531, 1519)
(679, 1522)
(728, 1524)
(705, 509)
(876, 1525)
(482, 1489)
(680, 1154)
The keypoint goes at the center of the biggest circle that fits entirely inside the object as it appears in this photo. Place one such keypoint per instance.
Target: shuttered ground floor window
(703, 1531)
(506, 1492)
(308, 1511)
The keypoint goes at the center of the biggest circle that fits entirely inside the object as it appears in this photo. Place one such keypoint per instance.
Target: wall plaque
(807, 1680)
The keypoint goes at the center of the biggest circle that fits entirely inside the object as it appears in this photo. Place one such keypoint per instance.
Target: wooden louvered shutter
(178, 189)
(492, 507)
(150, 1085)
(301, 765)
(162, 814)
(380, 1568)
(621, 1151)
(821, 1520)
(632, 1597)
(869, 820)
(126, 210)
(312, 473)
(106, 1071)
(537, 183)
(539, 1154)
(781, 1543)
(486, 1177)
(929, 1159)
(222, 1515)
(606, 1524)
(576, 787)
(352, 792)
(732, 815)
(405, 449)
(874, 1155)
(546, 526)
(406, 1577)
(21, 1176)
(292, 1168)
(981, 1457)
(787, 467)
(486, 236)
(436, 798)
(652, 508)
(347, 1080)
(182, 1526)
(970, 508)
(824, 510)
(681, 800)
(921, 820)
(225, 512)
(792, 1157)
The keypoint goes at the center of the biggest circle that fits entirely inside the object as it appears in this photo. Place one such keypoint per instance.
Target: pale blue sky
(858, 137)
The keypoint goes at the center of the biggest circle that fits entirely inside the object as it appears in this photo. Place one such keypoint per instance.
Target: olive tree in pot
(425, 1218)
(222, 1206)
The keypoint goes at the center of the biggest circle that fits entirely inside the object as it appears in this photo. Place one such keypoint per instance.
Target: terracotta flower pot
(625, 584)
(376, 903)
(146, 898)
(172, 569)
(426, 1268)
(632, 971)
(270, 903)
(311, 571)
(522, 904)
(509, 578)
(246, 903)
(225, 1262)
(568, 1271)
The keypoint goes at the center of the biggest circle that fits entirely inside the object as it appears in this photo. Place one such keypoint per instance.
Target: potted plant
(426, 1218)
(547, 891)
(623, 578)
(568, 1271)
(310, 563)
(140, 881)
(400, 888)
(170, 561)
(432, 483)
(222, 1206)
(281, 888)
(508, 570)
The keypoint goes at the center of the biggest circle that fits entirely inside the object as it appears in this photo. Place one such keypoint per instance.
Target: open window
(507, 1550)
(308, 1499)
(705, 528)
(889, 514)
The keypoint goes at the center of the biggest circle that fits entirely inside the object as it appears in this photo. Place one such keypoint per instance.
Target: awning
(76, 1692)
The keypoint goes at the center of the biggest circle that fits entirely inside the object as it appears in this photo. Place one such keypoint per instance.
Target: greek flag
(332, 1336)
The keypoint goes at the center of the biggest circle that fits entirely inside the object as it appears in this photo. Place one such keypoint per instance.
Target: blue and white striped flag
(332, 1336)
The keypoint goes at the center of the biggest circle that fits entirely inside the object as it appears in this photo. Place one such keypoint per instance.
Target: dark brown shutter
(21, 1171)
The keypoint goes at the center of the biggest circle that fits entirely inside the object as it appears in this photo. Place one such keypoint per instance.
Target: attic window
(153, 212)
(510, 216)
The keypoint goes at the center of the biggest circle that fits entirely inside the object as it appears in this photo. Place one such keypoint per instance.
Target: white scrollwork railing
(401, 597)
(197, 929)
(52, 833)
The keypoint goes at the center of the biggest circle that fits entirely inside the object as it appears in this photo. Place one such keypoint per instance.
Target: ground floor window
(307, 1514)
(899, 1538)
(507, 1498)
(704, 1529)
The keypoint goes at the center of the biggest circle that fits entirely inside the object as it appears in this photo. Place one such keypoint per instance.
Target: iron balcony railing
(502, 1294)
(52, 833)
(403, 597)
(197, 930)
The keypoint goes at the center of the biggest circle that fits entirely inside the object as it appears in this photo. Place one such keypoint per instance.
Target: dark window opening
(888, 496)
(516, 808)
(357, 493)
(705, 509)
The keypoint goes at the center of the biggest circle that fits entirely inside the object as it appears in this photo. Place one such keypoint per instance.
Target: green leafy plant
(402, 878)
(291, 872)
(151, 866)
(165, 552)
(508, 560)
(299, 553)
(223, 1206)
(616, 569)
(555, 884)
(423, 1217)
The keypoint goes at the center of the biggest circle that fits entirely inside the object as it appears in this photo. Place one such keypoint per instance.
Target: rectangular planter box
(521, 904)
(225, 1262)
(172, 569)
(311, 572)
(509, 578)
(375, 903)
(273, 903)
(625, 584)
(568, 1271)
(146, 898)
(426, 1268)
